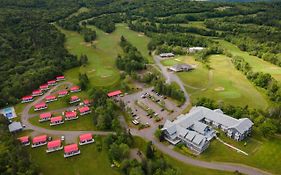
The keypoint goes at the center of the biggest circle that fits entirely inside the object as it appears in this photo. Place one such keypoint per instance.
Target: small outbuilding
(24, 140)
(51, 98)
(54, 145)
(60, 78)
(166, 55)
(62, 93)
(15, 126)
(52, 82)
(71, 150)
(195, 49)
(75, 89)
(86, 139)
(40, 106)
(45, 117)
(39, 141)
(71, 115)
(180, 68)
(56, 121)
(44, 87)
(36, 93)
(27, 99)
(114, 93)
(74, 99)
(84, 110)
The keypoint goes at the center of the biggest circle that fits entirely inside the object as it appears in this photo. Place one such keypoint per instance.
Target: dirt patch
(141, 34)
(219, 89)
(105, 76)
(88, 44)
(93, 70)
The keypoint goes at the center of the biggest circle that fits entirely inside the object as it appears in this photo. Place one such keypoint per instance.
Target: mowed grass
(102, 54)
(257, 64)
(263, 153)
(90, 161)
(83, 123)
(222, 83)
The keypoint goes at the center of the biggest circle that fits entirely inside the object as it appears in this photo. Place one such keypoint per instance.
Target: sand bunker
(93, 70)
(105, 76)
(219, 89)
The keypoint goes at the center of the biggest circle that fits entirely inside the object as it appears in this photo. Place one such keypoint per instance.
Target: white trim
(39, 109)
(85, 113)
(48, 101)
(41, 144)
(54, 149)
(44, 119)
(87, 142)
(59, 123)
(71, 118)
(75, 101)
(69, 155)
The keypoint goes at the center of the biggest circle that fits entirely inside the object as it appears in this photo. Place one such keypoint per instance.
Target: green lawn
(90, 161)
(101, 68)
(83, 123)
(222, 83)
(256, 63)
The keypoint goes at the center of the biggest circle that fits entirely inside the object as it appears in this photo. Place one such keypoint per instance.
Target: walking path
(232, 147)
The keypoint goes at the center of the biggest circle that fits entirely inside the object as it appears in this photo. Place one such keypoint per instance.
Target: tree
(267, 128)
(149, 152)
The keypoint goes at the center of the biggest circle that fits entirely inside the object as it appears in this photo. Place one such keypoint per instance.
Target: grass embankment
(257, 64)
(221, 83)
(102, 53)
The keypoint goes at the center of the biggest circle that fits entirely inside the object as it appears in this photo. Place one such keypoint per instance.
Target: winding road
(148, 133)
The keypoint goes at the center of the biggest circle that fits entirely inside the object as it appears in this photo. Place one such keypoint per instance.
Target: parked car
(135, 122)
(62, 138)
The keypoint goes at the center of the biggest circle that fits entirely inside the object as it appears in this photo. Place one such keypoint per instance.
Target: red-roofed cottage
(40, 106)
(39, 141)
(54, 146)
(36, 93)
(45, 117)
(71, 150)
(114, 93)
(84, 110)
(52, 82)
(44, 87)
(51, 98)
(62, 93)
(56, 121)
(60, 78)
(86, 139)
(75, 89)
(74, 99)
(87, 102)
(24, 140)
(27, 99)
(71, 115)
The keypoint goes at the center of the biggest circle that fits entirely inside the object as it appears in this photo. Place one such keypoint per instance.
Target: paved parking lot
(147, 107)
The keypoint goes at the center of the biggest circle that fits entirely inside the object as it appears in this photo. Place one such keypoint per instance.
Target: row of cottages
(56, 145)
(196, 129)
(180, 68)
(114, 93)
(42, 89)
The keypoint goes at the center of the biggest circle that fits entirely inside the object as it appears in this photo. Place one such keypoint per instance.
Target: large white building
(195, 129)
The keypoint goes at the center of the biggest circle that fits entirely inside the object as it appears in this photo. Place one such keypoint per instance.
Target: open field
(256, 63)
(101, 68)
(222, 83)
(83, 123)
(90, 161)
(79, 11)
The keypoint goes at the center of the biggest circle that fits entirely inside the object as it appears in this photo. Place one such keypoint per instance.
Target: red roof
(41, 138)
(114, 93)
(44, 86)
(56, 119)
(74, 88)
(51, 82)
(71, 148)
(37, 91)
(86, 101)
(45, 115)
(27, 97)
(54, 144)
(63, 92)
(84, 109)
(50, 97)
(73, 98)
(40, 105)
(60, 77)
(85, 137)
(23, 139)
(70, 114)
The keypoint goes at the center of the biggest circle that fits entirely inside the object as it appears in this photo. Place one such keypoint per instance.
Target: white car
(135, 122)
(62, 138)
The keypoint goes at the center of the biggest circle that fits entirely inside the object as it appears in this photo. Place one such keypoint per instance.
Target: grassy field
(80, 10)
(90, 161)
(256, 63)
(102, 53)
(222, 83)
